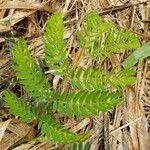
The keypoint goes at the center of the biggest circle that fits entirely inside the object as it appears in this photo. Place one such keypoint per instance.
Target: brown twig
(106, 131)
(121, 7)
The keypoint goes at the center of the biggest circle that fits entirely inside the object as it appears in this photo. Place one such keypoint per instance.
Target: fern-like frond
(87, 79)
(84, 103)
(120, 78)
(99, 39)
(92, 29)
(18, 107)
(94, 79)
(28, 73)
(118, 40)
(57, 132)
(55, 52)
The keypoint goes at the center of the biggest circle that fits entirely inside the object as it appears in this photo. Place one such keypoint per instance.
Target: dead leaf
(13, 132)
(24, 5)
(3, 127)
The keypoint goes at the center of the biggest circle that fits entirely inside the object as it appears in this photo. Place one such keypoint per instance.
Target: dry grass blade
(25, 5)
(7, 22)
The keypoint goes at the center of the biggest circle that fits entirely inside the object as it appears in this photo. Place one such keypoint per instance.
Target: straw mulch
(124, 128)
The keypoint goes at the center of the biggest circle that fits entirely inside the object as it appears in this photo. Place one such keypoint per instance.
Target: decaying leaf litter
(125, 127)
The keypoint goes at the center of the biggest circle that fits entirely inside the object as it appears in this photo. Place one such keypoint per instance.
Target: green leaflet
(138, 54)
(84, 103)
(99, 39)
(29, 75)
(54, 47)
(18, 107)
(58, 133)
(91, 33)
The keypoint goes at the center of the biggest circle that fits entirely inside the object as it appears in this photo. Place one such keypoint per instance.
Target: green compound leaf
(55, 53)
(56, 132)
(91, 32)
(94, 79)
(28, 73)
(84, 103)
(89, 92)
(99, 39)
(18, 107)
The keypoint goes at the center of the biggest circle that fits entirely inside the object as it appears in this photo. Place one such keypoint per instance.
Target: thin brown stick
(106, 131)
(126, 125)
(121, 7)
